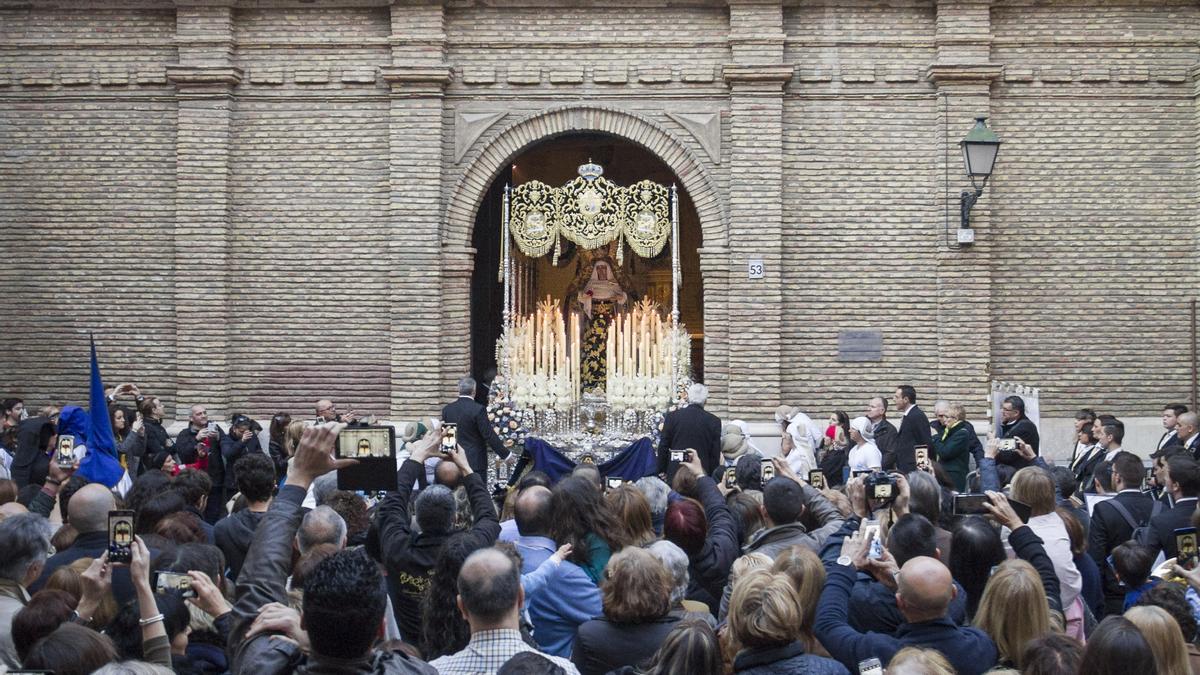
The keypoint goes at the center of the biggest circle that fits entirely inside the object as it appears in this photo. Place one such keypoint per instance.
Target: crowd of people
(866, 545)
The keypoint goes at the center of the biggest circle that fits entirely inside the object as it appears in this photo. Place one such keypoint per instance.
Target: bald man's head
(447, 473)
(924, 589)
(489, 589)
(532, 511)
(89, 506)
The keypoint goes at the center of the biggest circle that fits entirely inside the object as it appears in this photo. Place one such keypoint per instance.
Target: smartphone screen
(922, 457)
(1185, 547)
(678, 456)
(65, 456)
(730, 477)
(174, 581)
(614, 483)
(120, 536)
(970, 504)
(768, 470)
(870, 666)
(1008, 445)
(816, 479)
(449, 437)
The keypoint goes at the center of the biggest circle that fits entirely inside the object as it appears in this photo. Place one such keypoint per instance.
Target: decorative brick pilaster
(963, 76)
(755, 308)
(204, 80)
(430, 325)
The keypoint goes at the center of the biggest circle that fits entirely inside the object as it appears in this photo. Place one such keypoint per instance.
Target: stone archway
(469, 192)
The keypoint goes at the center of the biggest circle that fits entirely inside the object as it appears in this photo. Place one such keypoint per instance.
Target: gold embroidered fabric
(592, 212)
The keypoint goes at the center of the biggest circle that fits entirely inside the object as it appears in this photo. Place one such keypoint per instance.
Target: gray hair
(24, 542)
(324, 486)
(941, 403)
(676, 562)
(322, 525)
(435, 508)
(655, 491)
(466, 386)
(925, 495)
(697, 393)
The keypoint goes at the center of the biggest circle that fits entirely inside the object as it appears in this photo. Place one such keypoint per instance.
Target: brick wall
(255, 204)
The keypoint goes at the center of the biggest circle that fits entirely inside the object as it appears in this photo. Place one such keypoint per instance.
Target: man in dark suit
(474, 433)
(1188, 430)
(691, 428)
(1170, 422)
(1183, 482)
(914, 430)
(1014, 424)
(885, 431)
(1114, 521)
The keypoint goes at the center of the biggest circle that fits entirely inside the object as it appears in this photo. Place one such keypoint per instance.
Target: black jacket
(885, 439)
(409, 556)
(914, 430)
(1109, 530)
(31, 464)
(185, 447)
(475, 433)
(709, 570)
(234, 536)
(233, 449)
(158, 443)
(89, 545)
(1161, 534)
(602, 646)
(1026, 430)
(691, 427)
(267, 566)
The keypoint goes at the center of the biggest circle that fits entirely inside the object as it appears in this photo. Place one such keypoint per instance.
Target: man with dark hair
(344, 596)
(1014, 424)
(490, 598)
(785, 500)
(195, 486)
(240, 442)
(255, 478)
(1183, 483)
(1170, 422)
(410, 556)
(534, 516)
(1110, 432)
(1114, 520)
(873, 605)
(914, 430)
(474, 432)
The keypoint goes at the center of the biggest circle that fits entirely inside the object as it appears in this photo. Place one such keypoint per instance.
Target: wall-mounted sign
(756, 269)
(860, 345)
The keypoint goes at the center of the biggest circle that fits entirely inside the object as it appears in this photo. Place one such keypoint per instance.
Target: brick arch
(469, 191)
(547, 124)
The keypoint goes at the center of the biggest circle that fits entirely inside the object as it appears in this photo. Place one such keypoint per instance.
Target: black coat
(185, 448)
(914, 430)
(1161, 534)
(1026, 430)
(1109, 530)
(233, 449)
(475, 433)
(602, 646)
(695, 428)
(31, 464)
(885, 440)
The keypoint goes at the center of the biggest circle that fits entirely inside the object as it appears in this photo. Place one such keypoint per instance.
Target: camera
(880, 486)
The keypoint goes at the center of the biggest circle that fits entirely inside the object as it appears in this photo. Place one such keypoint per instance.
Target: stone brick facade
(254, 204)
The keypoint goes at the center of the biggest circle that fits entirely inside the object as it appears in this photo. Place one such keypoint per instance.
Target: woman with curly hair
(444, 631)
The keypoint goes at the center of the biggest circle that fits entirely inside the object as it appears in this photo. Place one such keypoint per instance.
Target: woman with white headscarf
(800, 439)
(864, 454)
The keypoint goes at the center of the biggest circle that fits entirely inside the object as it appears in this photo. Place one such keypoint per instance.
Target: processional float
(546, 369)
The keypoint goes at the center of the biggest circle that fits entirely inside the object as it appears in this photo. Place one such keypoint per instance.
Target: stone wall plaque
(860, 345)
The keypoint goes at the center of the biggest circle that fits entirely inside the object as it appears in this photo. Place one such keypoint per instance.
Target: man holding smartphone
(474, 432)
(203, 436)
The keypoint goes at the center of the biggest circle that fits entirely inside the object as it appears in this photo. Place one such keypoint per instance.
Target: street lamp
(979, 149)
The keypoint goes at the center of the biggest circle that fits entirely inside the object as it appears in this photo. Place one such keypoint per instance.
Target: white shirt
(1050, 529)
(1109, 453)
(1167, 438)
(864, 457)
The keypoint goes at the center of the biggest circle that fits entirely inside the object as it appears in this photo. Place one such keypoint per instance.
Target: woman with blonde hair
(918, 661)
(765, 620)
(1013, 610)
(742, 566)
(1165, 638)
(804, 569)
(952, 447)
(1034, 486)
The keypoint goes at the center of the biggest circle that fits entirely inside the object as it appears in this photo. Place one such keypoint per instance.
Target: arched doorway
(555, 161)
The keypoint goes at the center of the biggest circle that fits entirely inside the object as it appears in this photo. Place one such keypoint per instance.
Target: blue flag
(100, 464)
